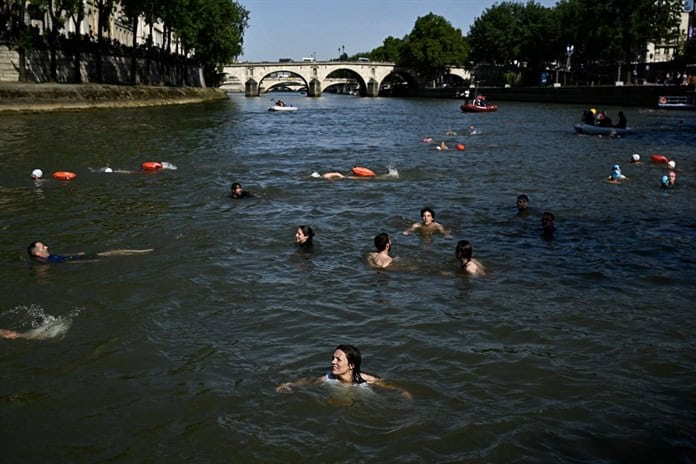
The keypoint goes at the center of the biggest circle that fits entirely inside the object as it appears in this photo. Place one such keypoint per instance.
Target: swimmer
(522, 205)
(428, 224)
(469, 265)
(38, 252)
(303, 238)
(442, 146)
(37, 174)
(664, 182)
(635, 158)
(381, 258)
(672, 178)
(238, 193)
(10, 334)
(615, 177)
(345, 370)
(337, 175)
(672, 164)
(548, 225)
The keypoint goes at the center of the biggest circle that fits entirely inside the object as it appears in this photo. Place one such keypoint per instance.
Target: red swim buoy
(152, 166)
(460, 146)
(656, 158)
(663, 100)
(363, 172)
(64, 175)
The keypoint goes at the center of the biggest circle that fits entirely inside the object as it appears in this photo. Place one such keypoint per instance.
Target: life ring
(362, 172)
(663, 100)
(659, 159)
(459, 146)
(64, 175)
(152, 166)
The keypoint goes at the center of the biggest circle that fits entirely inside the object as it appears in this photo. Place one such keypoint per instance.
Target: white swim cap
(315, 174)
(672, 164)
(108, 169)
(635, 157)
(37, 173)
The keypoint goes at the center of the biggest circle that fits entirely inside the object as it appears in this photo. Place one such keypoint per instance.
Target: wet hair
(353, 357)
(235, 185)
(547, 222)
(523, 197)
(32, 247)
(381, 241)
(464, 250)
(429, 210)
(307, 232)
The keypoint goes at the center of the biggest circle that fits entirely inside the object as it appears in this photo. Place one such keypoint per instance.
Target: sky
(317, 28)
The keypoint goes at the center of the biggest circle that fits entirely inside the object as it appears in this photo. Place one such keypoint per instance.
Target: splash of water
(43, 326)
(393, 172)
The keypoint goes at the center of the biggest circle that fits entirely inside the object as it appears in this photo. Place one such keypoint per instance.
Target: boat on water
(681, 102)
(475, 108)
(591, 129)
(282, 108)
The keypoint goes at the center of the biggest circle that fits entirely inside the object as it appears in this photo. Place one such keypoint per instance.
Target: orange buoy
(64, 175)
(460, 146)
(363, 172)
(152, 166)
(656, 158)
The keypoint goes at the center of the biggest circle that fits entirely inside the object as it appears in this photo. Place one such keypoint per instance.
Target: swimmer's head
(315, 174)
(593, 110)
(107, 169)
(671, 164)
(36, 174)
(635, 157)
(616, 167)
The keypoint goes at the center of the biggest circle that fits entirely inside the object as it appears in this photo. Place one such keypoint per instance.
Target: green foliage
(432, 45)
(390, 51)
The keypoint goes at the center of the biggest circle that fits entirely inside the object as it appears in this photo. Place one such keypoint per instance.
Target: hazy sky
(302, 28)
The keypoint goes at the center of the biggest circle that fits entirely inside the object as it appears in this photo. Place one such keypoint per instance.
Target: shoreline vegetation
(32, 97)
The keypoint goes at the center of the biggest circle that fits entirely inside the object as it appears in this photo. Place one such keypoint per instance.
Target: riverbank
(21, 97)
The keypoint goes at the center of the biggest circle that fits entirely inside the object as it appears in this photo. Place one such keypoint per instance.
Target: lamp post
(570, 49)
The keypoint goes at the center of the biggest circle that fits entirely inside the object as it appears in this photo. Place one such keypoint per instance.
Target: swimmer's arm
(288, 386)
(125, 252)
(414, 227)
(11, 334)
(443, 231)
(372, 380)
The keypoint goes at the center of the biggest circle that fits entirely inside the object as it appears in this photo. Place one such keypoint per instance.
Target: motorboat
(591, 129)
(474, 108)
(282, 108)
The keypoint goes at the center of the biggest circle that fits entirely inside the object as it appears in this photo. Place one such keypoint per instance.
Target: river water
(576, 349)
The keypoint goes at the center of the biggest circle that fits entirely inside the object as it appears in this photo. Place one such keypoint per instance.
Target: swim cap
(671, 164)
(635, 157)
(665, 180)
(108, 169)
(37, 173)
(315, 174)
(593, 110)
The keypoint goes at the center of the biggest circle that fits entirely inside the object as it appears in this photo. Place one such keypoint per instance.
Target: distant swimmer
(37, 174)
(304, 238)
(238, 193)
(635, 158)
(669, 180)
(615, 177)
(38, 252)
(381, 259)
(522, 205)
(548, 225)
(428, 224)
(442, 146)
(671, 164)
(345, 370)
(471, 266)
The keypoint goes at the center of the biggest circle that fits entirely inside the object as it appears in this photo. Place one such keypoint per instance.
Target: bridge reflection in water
(317, 76)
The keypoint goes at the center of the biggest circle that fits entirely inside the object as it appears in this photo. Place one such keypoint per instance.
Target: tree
(75, 9)
(432, 46)
(104, 8)
(390, 50)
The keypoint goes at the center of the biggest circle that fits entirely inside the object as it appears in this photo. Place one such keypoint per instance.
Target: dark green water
(579, 349)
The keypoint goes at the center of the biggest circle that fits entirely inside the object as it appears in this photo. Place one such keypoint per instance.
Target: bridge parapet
(248, 76)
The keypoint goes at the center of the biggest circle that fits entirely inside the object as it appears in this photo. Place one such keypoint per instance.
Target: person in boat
(622, 121)
(615, 177)
(238, 193)
(345, 370)
(469, 265)
(603, 120)
(304, 236)
(588, 117)
(548, 225)
(428, 224)
(39, 253)
(280, 103)
(522, 205)
(381, 259)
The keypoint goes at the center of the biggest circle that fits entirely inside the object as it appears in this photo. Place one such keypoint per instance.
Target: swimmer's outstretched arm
(10, 334)
(125, 252)
(413, 228)
(384, 384)
(442, 230)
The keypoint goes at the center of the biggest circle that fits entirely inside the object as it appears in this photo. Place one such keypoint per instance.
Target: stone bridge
(255, 78)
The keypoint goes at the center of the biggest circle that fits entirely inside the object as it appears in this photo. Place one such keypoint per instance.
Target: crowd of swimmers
(666, 181)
